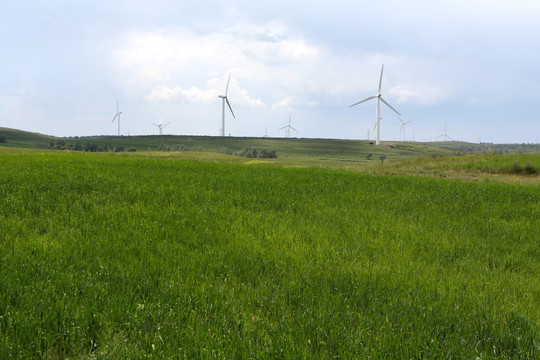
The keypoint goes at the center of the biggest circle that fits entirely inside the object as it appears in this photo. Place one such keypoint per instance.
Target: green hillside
(358, 155)
(303, 149)
(24, 139)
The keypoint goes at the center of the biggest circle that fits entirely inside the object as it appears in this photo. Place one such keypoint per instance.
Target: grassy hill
(303, 150)
(24, 139)
(515, 163)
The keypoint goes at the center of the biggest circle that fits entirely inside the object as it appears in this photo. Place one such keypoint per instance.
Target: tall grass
(128, 257)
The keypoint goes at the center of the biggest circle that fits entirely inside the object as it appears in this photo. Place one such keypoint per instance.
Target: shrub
(251, 152)
(529, 169)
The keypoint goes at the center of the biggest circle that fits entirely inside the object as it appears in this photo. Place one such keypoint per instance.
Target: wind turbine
(402, 131)
(161, 126)
(288, 127)
(379, 99)
(118, 113)
(225, 100)
(444, 134)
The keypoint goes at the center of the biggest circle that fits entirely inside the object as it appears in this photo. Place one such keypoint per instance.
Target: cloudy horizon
(471, 66)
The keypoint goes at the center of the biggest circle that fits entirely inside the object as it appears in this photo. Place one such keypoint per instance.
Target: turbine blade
(114, 118)
(284, 127)
(390, 106)
(227, 88)
(380, 80)
(294, 129)
(166, 124)
(230, 108)
(117, 108)
(369, 98)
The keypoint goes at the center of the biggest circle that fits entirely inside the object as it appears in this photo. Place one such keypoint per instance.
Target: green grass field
(108, 256)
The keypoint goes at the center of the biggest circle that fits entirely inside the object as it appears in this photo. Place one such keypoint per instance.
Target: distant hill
(24, 139)
(293, 148)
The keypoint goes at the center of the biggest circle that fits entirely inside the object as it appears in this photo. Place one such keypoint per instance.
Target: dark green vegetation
(249, 152)
(23, 139)
(117, 256)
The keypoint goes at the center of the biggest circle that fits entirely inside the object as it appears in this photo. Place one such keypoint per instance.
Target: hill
(314, 149)
(24, 139)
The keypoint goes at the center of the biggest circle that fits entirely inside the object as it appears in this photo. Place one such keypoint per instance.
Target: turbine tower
(225, 100)
(402, 131)
(161, 126)
(118, 113)
(288, 127)
(379, 99)
(444, 134)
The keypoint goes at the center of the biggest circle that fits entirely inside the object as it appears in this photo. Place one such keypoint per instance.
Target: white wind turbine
(288, 127)
(379, 99)
(444, 134)
(402, 131)
(161, 126)
(118, 113)
(225, 100)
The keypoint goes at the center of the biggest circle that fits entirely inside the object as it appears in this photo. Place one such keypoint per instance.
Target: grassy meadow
(109, 256)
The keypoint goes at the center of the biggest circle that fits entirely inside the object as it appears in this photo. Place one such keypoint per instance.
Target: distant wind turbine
(288, 127)
(225, 100)
(379, 99)
(402, 131)
(444, 134)
(118, 113)
(265, 131)
(161, 126)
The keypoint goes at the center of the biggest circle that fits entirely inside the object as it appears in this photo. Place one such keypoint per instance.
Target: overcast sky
(470, 65)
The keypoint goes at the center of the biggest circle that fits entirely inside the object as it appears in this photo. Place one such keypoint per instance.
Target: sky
(470, 66)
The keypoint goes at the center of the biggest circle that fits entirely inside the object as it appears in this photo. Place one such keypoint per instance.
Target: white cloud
(159, 59)
(164, 93)
(191, 95)
(270, 64)
(424, 94)
(285, 103)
